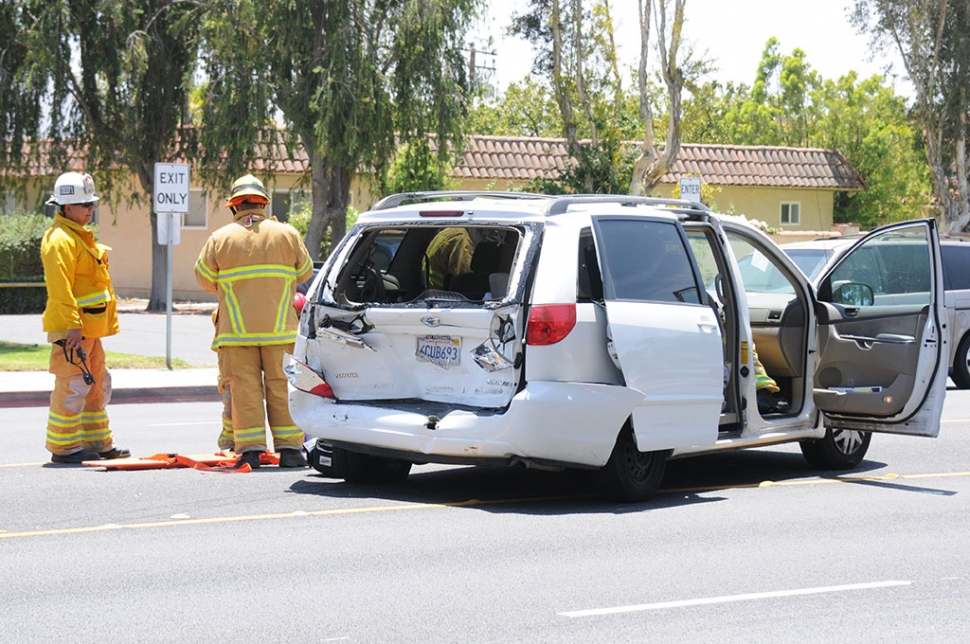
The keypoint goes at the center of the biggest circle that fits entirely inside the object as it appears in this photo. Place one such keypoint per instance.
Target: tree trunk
(158, 300)
(340, 189)
(158, 297)
(319, 194)
(650, 166)
(962, 214)
(559, 85)
(330, 193)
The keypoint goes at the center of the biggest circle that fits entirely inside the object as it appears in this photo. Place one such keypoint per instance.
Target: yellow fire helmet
(247, 189)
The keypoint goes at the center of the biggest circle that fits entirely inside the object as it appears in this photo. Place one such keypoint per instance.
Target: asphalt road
(748, 547)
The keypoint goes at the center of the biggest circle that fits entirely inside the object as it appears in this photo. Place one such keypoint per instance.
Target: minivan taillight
(549, 323)
(302, 377)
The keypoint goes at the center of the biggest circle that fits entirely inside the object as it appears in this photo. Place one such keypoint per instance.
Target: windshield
(810, 260)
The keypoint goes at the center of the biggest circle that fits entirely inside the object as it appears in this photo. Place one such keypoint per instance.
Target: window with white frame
(791, 213)
(286, 202)
(198, 214)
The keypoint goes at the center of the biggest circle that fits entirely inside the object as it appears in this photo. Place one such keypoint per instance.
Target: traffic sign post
(170, 200)
(690, 189)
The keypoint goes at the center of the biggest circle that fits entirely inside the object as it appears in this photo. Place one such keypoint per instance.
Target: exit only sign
(171, 189)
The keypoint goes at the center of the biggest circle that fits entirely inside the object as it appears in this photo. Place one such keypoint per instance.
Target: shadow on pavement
(500, 489)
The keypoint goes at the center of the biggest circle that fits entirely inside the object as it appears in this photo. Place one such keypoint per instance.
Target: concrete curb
(119, 396)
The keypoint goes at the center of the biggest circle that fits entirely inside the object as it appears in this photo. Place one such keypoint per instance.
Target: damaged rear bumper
(557, 422)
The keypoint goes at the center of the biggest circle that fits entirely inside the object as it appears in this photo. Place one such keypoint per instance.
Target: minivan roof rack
(561, 204)
(395, 200)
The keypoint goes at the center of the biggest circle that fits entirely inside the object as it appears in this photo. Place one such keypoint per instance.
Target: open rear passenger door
(882, 340)
(666, 338)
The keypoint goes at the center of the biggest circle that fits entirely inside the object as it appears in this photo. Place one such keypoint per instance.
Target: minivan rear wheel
(631, 475)
(364, 468)
(839, 449)
(354, 467)
(961, 364)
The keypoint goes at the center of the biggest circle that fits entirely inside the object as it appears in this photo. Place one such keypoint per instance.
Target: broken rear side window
(421, 263)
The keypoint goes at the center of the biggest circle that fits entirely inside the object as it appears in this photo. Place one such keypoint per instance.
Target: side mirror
(852, 294)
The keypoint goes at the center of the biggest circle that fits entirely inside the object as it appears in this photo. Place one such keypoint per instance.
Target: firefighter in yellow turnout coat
(254, 265)
(81, 309)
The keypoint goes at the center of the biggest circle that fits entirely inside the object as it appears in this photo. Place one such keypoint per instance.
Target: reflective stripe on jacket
(254, 265)
(79, 290)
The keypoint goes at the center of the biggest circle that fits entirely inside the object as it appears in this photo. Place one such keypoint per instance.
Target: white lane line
(732, 598)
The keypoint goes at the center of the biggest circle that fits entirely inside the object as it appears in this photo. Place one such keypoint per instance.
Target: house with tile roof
(786, 188)
(789, 189)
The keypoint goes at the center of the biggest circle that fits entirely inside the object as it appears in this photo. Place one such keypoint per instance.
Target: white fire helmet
(73, 187)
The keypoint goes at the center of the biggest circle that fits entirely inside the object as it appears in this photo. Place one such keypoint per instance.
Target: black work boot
(75, 458)
(251, 458)
(772, 403)
(292, 458)
(115, 452)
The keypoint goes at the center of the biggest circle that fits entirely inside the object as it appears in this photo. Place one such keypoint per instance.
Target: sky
(731, 33)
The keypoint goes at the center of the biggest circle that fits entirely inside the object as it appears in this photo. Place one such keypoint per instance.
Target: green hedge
(20, 262)
(29, 299)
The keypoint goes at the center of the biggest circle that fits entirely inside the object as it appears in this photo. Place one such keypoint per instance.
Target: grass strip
(36, 357)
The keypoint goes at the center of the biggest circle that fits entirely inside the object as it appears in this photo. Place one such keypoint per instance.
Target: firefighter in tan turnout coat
(254, 265)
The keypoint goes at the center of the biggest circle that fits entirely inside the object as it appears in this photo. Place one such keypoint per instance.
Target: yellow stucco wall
(126, 228)
(764, 204)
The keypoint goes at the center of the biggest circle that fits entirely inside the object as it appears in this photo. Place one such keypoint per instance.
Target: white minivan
(608, 333)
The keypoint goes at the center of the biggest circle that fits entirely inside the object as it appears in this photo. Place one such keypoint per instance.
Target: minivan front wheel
(631, 475)
(839, 449)
(961, 364)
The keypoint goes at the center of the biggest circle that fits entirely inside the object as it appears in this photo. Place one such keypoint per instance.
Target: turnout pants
(252, 375)
(77, 419)
(226, 441)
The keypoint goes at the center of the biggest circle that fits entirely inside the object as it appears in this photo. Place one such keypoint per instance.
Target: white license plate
(440, 349)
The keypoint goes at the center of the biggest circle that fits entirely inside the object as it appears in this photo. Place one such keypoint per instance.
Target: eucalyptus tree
(933, 40)
(575, 49)
(346, 79)
(101, 79)
(870, 124)
(790, 104)
(652, 163)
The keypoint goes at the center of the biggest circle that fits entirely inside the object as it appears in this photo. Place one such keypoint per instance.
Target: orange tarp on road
(223, 462)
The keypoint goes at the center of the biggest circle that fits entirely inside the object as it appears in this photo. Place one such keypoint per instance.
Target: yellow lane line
(283, 515)
(24, 464)
(454, 504)
(818, 481)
